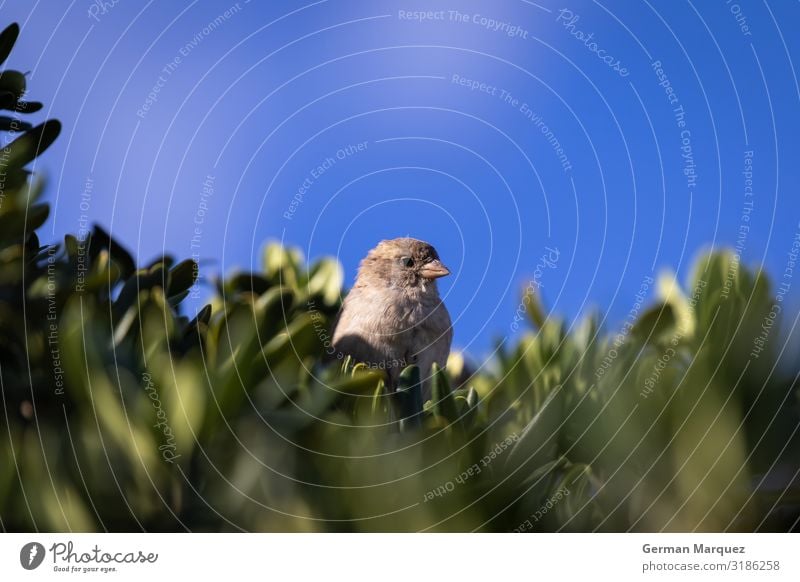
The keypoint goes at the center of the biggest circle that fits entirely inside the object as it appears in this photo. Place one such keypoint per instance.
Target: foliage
(122, 413)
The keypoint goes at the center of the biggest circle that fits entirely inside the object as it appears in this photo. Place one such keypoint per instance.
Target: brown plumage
(393, 317)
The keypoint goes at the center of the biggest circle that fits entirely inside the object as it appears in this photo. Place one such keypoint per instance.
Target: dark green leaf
(13, 124)
(182, 277)
(13, 82)
(7, 39)
(8, 100)
(246, 283)
(16, 224)
(442, 398)
(408, 397)
(33, 143)
(102, 240)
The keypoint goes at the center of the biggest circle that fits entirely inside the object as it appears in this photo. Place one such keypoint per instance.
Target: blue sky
(615, 133)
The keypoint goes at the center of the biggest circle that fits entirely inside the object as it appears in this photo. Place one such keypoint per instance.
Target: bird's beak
(434, 270)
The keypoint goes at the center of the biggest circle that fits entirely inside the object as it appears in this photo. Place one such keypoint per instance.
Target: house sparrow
(393, 317)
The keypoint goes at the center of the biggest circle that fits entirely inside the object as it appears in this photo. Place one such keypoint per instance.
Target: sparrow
(393, 316)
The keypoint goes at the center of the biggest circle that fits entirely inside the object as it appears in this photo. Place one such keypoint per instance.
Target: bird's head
(403, 263)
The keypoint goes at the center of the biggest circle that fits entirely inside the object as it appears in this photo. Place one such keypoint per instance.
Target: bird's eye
(407, 261)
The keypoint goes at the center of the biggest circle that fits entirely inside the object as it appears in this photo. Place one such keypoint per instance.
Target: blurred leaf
(124, 412)
(28, 106)
(282, 265)
(246, 282)
(544, 471)
(182, 277)
(13, 124)
(100, 240)
(409, 397)
(656, 325)
(443, 400)
(32, 143)
(7, 39)
(537, 443)
(16, 223)
(12, 82)
(533, 307)
(325, 280)
(8, 100)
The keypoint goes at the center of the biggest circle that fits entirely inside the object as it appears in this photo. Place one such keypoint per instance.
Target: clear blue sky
(460, 117)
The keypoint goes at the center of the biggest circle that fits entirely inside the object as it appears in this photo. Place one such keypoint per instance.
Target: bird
(393, 317)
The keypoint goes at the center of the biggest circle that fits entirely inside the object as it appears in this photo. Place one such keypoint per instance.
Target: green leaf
(182, 277)
(409, 397)
(538, 442)
(7, 39)
(543, 471)
(13, 82)
(8, 100)
(472, 397)
(33, 143)
(378, 396)
(16, 223)
(282, 265)
(203, 317)
(325, 280)
(359, 382)
(470, 413)
(140, 281)
(124, 325)
(102, 240)
(299, 340)
(442, 398)
(577, 480)
(533, 307)
(657, 324)
(72, 245)
(13, 124)
(28, 106)
(102, 275)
